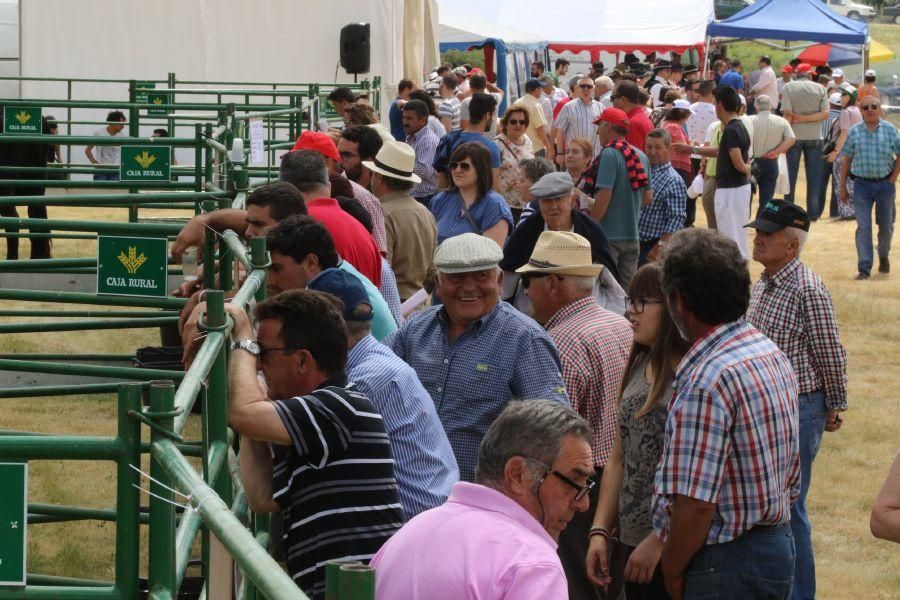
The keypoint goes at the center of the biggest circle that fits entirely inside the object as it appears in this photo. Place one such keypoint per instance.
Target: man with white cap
(593, 345)
(868, 87)
(476, 353)
(838, 77)
(409, 226)
(772, 137)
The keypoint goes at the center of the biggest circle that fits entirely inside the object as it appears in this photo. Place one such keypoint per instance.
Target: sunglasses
(465, 166)
(586, 86)
(518, 122)
(869, 107)
(526, 279)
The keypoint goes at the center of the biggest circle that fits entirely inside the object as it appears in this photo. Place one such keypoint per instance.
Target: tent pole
(706, 57)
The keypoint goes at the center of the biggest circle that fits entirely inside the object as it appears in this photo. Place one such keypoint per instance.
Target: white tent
(609, 25)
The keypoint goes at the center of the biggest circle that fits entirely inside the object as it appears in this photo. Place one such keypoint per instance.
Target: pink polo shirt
(478, 545)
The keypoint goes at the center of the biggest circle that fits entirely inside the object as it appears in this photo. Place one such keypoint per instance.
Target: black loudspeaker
(355, 48)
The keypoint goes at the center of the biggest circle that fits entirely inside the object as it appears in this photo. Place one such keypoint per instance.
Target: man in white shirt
(576, 119)
(662, 72)
(704, 112)
(603, 87)
(767, 85)
(546, 92)
(538, 130)
(448, 110)
(107, 155)
(478, 83)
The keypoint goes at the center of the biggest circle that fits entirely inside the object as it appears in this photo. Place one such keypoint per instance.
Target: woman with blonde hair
(626, 489)
(514, 146)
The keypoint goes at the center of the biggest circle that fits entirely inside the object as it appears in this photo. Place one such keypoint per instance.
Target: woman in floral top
(514, 146)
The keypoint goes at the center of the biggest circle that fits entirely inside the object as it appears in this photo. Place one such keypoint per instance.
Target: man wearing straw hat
(593, 345)
(410, 227)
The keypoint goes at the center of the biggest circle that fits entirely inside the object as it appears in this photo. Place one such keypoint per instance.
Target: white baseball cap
(837, 73)
(870, 73)
(683, 104)
(835, 98)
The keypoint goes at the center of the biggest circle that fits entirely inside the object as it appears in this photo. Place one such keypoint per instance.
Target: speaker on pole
(355, 48)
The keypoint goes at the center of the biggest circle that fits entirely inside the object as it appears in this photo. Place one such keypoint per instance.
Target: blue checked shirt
(423, 459)
(732, 434)
(667, 212)
(424, 142)
(390, 292)
(500, 357)
(873, 152)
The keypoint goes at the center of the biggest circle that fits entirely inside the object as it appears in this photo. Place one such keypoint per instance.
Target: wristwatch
(248, 345)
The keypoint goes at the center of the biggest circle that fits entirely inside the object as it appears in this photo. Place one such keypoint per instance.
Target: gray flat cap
(552, 185)
(467, 253)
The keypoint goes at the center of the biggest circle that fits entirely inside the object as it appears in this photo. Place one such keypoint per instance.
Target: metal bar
(268, 576)
(60, 390)
(89, 140)
(86, 325)
(91, 200)
(124, 314)
(269, 113)
(100, 185)
(72, 513)
(60, 592)
(234, 243)
(190, 522)
(155, 196)
(137, 229)
(57, 356)
(96, 370)
(61, 236)
(33, 579)
(128, 499)
(63, 447)
(161, 572)
(81, 298)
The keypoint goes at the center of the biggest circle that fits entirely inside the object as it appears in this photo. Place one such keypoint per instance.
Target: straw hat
(396, 160)
(562, 253)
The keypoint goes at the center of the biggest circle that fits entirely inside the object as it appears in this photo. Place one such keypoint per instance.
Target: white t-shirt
(107, 155)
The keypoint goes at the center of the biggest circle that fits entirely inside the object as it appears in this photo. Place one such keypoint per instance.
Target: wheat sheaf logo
(132, 262)
(157, 100)
(23, 117)
(145, 159)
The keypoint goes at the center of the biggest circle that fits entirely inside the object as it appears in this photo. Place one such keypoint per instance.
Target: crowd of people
(498, 360)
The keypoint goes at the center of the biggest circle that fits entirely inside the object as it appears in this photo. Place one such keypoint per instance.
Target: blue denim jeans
(106, 176)
(768, 175)
(865, 194)
(812, 426)
(758, 564)
(812, 156)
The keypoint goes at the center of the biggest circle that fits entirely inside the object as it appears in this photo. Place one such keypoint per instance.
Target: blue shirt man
(475, 353)
(423, 459)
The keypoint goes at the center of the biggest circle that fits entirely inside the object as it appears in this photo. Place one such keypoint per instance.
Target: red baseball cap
(613, 116)
(475, 71)
(804, 68)
(787, 69)
(318, 142)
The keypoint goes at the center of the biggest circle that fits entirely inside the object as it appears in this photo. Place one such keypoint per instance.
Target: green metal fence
(215, 506)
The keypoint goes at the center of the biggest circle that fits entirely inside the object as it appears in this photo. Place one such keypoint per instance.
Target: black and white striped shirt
(576, 119)
(335, 485)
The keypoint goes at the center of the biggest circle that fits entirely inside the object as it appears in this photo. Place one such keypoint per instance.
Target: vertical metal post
(208, 153)
(128, 499)
(162, 512)
(357, 582)
(134, 128)
(209, 251)
(198, 159)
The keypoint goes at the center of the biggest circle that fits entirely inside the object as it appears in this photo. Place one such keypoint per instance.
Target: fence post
(162, 512)
(134, 130)
(198, 159)
(209, 251)
(128, 499)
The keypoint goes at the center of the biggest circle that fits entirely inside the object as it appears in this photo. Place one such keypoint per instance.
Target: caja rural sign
(129, 266)
(146, 163)
(22, 119)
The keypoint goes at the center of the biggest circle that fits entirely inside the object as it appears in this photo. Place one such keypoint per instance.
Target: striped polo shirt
(576, 119)
(335, 484)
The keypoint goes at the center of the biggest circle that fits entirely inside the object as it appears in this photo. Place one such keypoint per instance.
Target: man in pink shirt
(497, 538)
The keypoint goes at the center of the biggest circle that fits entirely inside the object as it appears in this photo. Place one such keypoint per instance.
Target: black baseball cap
(778, 214)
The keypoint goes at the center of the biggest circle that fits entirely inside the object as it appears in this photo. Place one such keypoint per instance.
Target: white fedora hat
(395, 159)
(562, 253)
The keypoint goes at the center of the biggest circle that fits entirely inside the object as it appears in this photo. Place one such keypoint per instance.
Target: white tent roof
(459, 26)
(598, 24)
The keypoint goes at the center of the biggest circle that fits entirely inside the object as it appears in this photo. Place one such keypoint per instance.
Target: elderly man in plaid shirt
(791, 305)
(593, 346)
(730, 468)
(666, 214)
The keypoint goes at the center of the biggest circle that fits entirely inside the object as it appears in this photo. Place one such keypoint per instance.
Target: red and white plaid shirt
(732, 434)
(593, 345)
(794, 309)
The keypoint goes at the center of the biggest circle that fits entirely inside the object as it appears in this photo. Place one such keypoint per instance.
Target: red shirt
(680, 160)
(559, 106)
(639, 127)
(351, 240)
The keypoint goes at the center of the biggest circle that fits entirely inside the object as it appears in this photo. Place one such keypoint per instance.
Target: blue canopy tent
(511, 48)
(788, 20)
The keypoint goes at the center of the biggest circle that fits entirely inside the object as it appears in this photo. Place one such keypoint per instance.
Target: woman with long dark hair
(469, 204)
(627, 486)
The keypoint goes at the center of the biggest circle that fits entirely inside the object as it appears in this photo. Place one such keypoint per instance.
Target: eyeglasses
(869, 107)
(518, 122)
(586, 86)
(580, 490)
(345, 154)
(639, 304)
(264, 351)
(465, 166)
(615, 96)
(526, 279)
